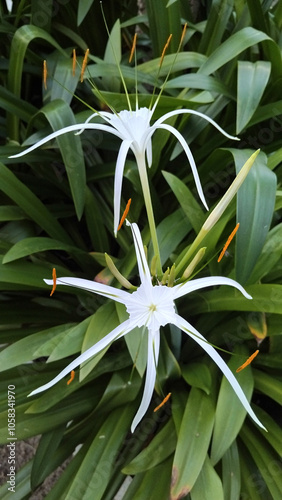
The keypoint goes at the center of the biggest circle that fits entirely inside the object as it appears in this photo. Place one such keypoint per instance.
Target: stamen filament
(133, 47)
(124, 214)
(230, 238)
(71, 377)
(73, 62)
(163, 402)
(84, 64)
(45, 74)
(249, 360)
(54, 276)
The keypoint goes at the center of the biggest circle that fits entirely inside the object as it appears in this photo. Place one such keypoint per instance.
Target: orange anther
(124, 214)
(71, 377)
(73, 62)
(163, 402)
(230, 238)
(164, 49)
(133, 47)
(183, 33)
(45, 74)
(249, 360)
(54, 276)
(84, 64)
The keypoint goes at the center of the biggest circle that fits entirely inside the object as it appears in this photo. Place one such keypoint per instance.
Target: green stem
(141, 163)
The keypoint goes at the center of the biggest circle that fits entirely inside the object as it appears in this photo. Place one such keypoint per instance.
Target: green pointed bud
(154, 265)
(193, 264)
(230, 193)
(115, 272)
(171, 278)
(218, 211)
(165, 277)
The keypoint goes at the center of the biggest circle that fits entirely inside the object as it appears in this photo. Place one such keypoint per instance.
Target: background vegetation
(57, 211)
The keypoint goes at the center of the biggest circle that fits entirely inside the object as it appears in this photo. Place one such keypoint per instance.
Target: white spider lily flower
(135, 131)
(151, 306)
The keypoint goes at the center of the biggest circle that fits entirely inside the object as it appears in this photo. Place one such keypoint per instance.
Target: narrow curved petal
(122, 154)
(190, 157)
(92, 286)
(144, 271)
(115, 334)
(149, 153)
(197, 113)
(152, 361)
(102, 114)
(193, 285)
(193, 333)
(65, 130)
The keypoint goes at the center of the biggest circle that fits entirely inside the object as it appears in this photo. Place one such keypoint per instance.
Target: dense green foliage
(56, 210)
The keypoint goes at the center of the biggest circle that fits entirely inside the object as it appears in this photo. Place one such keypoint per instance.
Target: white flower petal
(190, 330)
(152, 361)
(115, 334)
(122, 154)
(144, 271)
(92, 286)
(190, 157)
(193, 112)
(193, 285)
(103, 114)
(149, 152)
(64, 130)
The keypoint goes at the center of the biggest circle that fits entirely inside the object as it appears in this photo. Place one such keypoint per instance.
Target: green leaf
(22, 273)
(45, 451)
(23, 487)
(251, 488)
(95, 469)
(31, 205)
(83, 8)
(230, 413)
(22, 38)
(67, 344)
(171, 232)
(268, 385)
(264, 458)
(29, 424)
(59, 115)
(266, 298)
(163, 20)
(95, 222)
(208, 485)
(198, 81)
(10, 212)
(255, 205)
(193, 442)
(231, 476)
(102, 323)
(270, 254)
(26, 348)
(252, 81)
(191, 207)
(197, 375)
(15, 105)
(232, 47)
(160, 448)
(217, 20)
(274, 431)
(29, 246)
(154, 483)
(113, 56)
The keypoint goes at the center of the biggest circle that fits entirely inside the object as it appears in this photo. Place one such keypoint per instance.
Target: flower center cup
(133, 125)
(151, 306)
